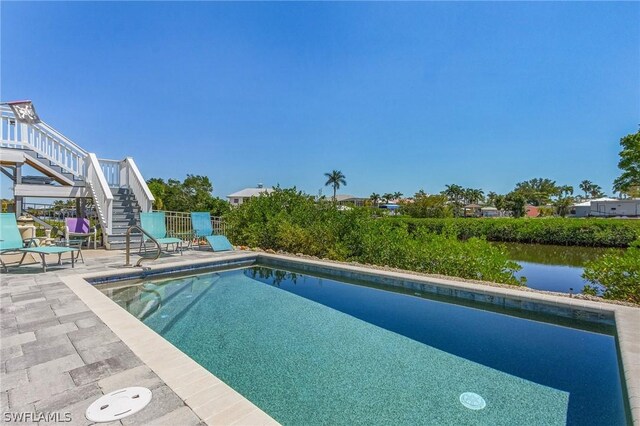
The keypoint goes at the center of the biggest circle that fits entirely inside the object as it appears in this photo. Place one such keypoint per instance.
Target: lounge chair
(11, 242)
(201, 224)
(80, 228)
(154, 224)
(219, 243)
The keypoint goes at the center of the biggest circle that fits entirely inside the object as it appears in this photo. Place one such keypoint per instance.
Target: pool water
(311, 350)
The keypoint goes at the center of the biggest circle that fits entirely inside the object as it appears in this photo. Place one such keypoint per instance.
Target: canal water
(553, 268)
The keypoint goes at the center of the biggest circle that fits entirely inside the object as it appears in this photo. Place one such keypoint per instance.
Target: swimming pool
(314, 350)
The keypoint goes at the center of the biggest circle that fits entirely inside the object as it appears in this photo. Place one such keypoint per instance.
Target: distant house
(473, 210)
(607, 207)
(240, 197)
(583, 209)
(490, 212)
(532, 211)
(350, 200)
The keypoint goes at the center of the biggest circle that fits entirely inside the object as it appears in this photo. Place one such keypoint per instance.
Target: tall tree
(455, 194)
(566, 190)
(516, 203)
(194, 194)
(335, 179)
(629, 181)
(596, 191)
(387, 196)
(538, 191)
(585, 186)
(491, 198)
(563, 205)
(375, 199)
(473, 195)
(397, 195)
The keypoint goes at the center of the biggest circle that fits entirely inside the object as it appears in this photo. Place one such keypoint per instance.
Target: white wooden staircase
(117, 188)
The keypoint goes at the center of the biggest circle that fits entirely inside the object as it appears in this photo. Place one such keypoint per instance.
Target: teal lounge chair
(201, 224)
(11, 242)
(219, 243)
(154, 224)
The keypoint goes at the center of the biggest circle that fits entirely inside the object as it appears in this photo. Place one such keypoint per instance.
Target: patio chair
(154, 224)
(80, 228)
(11, 242)
(201, 224)
(219, 243)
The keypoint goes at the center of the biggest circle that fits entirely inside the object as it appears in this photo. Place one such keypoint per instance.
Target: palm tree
(566, 190)
(375, 198)
(491, 198)
(335, 179)
(596, 191)
(387, 196)
(586, 185)
(473, 195)
(455, 194)
(397, 196)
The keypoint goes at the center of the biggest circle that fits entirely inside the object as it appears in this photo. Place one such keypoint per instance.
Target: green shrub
(615, 275)
(294, 222)
(560, 231)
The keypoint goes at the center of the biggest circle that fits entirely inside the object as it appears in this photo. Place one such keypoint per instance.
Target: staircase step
(121, 191)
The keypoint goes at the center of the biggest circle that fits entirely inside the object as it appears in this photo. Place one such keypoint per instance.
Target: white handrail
(111, 171)
(44, 140)
(101, 192)
(131, 177)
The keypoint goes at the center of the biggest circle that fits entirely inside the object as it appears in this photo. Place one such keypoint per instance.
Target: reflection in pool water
(553, 268)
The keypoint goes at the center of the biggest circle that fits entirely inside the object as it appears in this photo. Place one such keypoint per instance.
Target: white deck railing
(131, 177)
(100, 175)
(101, 193)
(111, 171)
(44, 140)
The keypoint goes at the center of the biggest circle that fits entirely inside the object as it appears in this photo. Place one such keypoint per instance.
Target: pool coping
(214, 401)
(196, 386)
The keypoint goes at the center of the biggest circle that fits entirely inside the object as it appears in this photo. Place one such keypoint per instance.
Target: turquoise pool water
(299, 348)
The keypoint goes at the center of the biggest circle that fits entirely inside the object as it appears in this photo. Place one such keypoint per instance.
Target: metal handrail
(128, 244)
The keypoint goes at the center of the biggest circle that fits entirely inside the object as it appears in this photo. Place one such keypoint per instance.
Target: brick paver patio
(57, 356)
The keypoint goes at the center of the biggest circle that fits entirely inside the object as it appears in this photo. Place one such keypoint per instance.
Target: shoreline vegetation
(290, 221)
(586, 232)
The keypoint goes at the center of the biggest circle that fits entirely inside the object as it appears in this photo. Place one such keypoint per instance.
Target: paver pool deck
(64, 344)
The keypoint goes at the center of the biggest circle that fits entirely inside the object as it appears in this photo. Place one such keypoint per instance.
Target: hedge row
(560, 231)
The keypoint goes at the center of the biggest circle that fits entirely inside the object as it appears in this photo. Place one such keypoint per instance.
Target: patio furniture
(11, 242)
(10, 239)
(154, 224)
(42, 251)
(80, 228)
(201, 224)
(73, 243)
(202, 228)
(219, 243)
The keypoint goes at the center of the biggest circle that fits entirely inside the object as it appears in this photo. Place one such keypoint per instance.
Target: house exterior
(532, 211)
(350, 200)
(583, 209)
(116, 188)
(490, 212)
(241, 196)
(607, 207)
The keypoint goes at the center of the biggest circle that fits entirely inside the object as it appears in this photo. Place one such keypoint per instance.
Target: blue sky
(398, 96)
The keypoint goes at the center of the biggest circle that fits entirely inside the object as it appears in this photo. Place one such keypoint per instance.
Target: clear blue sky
(398, 96)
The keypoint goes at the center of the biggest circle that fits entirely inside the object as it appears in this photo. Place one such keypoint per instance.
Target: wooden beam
(50, 191)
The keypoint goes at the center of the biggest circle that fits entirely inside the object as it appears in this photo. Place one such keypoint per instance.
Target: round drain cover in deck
(118, 404)
(472, 401)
